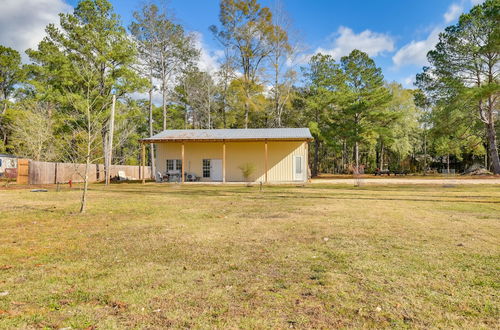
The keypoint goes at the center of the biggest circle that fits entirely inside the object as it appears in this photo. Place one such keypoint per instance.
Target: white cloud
(370, 42)
(409, 81)
(345, 40)
(209, 60)
(23, 22)
(416, 51)
(453, 13)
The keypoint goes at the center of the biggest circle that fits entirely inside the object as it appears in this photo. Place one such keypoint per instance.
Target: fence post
(55, 173)
(143, 162)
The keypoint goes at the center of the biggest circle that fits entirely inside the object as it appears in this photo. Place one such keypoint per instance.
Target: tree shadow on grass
(253, 194)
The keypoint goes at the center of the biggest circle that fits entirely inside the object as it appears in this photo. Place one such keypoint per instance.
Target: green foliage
(81, 64)
(348, 100)
(247, 31)
(362, 98)
(461, 83)
(165, 50)
(93, 36)
(400, 129)
(243, 96)
(11, 73)
(247, 170)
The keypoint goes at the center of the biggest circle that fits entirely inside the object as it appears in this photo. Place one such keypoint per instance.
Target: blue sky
(396, 33)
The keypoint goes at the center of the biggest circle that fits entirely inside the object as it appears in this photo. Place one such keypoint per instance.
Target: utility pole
(110, 143)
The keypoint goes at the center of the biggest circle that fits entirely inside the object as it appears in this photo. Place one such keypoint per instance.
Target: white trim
(298, 176)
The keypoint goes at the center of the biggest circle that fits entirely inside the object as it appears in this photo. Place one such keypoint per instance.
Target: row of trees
(57, 107)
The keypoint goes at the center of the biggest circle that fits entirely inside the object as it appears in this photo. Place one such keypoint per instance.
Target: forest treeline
(56, 105)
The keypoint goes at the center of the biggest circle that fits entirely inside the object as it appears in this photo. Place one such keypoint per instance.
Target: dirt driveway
(409, 181)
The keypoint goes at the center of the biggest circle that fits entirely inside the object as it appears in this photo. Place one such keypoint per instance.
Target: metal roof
(232, 134)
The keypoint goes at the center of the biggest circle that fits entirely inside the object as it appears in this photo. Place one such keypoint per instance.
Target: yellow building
(221, 155)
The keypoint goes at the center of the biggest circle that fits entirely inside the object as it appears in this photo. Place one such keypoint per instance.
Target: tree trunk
(448, 163)
(105, 141)
(247, 99)
(356, 144)
(316, 157)
(247, 106)
(224, 113)
(151, 145)
(83, 205)
(356, 157)
(110, 143)
(492, 147)
(343, 161)
(381, 156)
(425, 153)
(276, 91)
(209, 108)
(164, 102)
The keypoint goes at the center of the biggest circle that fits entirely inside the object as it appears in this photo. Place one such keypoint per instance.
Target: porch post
(306, 146)
(223, 161)
(143, 162)
(266, 160)
(182, 167)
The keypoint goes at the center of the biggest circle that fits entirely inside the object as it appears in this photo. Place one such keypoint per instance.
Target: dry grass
(205, 256)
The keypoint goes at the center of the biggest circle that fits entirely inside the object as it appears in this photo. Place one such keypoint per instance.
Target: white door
(216, 169)
(298, 168)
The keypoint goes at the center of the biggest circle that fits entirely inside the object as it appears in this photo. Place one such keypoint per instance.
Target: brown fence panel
(41, 172)
(71, 172)
(22, 171)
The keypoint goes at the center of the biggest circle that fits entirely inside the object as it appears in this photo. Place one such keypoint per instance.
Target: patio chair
(122, 176)
(159, 177)
(190, 177)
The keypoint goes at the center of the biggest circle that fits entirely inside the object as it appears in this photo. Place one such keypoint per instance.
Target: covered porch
(207, 161)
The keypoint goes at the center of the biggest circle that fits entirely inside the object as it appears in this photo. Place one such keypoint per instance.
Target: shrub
(247, 170)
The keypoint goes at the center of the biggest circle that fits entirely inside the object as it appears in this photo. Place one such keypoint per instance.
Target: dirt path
(454, 181)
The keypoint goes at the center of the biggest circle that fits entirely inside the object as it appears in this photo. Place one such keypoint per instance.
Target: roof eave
(151, 140)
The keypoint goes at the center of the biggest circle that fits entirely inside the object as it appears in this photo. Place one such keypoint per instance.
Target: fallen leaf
(118, 304)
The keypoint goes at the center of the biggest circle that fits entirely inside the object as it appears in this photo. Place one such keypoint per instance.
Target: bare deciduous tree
(32, 132)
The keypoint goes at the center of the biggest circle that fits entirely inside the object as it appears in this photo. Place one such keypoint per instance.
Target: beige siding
(280, 158)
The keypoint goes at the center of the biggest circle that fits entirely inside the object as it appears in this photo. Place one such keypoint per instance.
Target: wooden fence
(34, 172)
(22, 171)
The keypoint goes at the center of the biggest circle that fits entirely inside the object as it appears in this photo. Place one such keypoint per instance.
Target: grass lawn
(158, 256)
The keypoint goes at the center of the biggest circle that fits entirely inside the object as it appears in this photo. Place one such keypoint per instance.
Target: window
(174, 164)
(206, 168)
(170, 164)
(298, 165)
